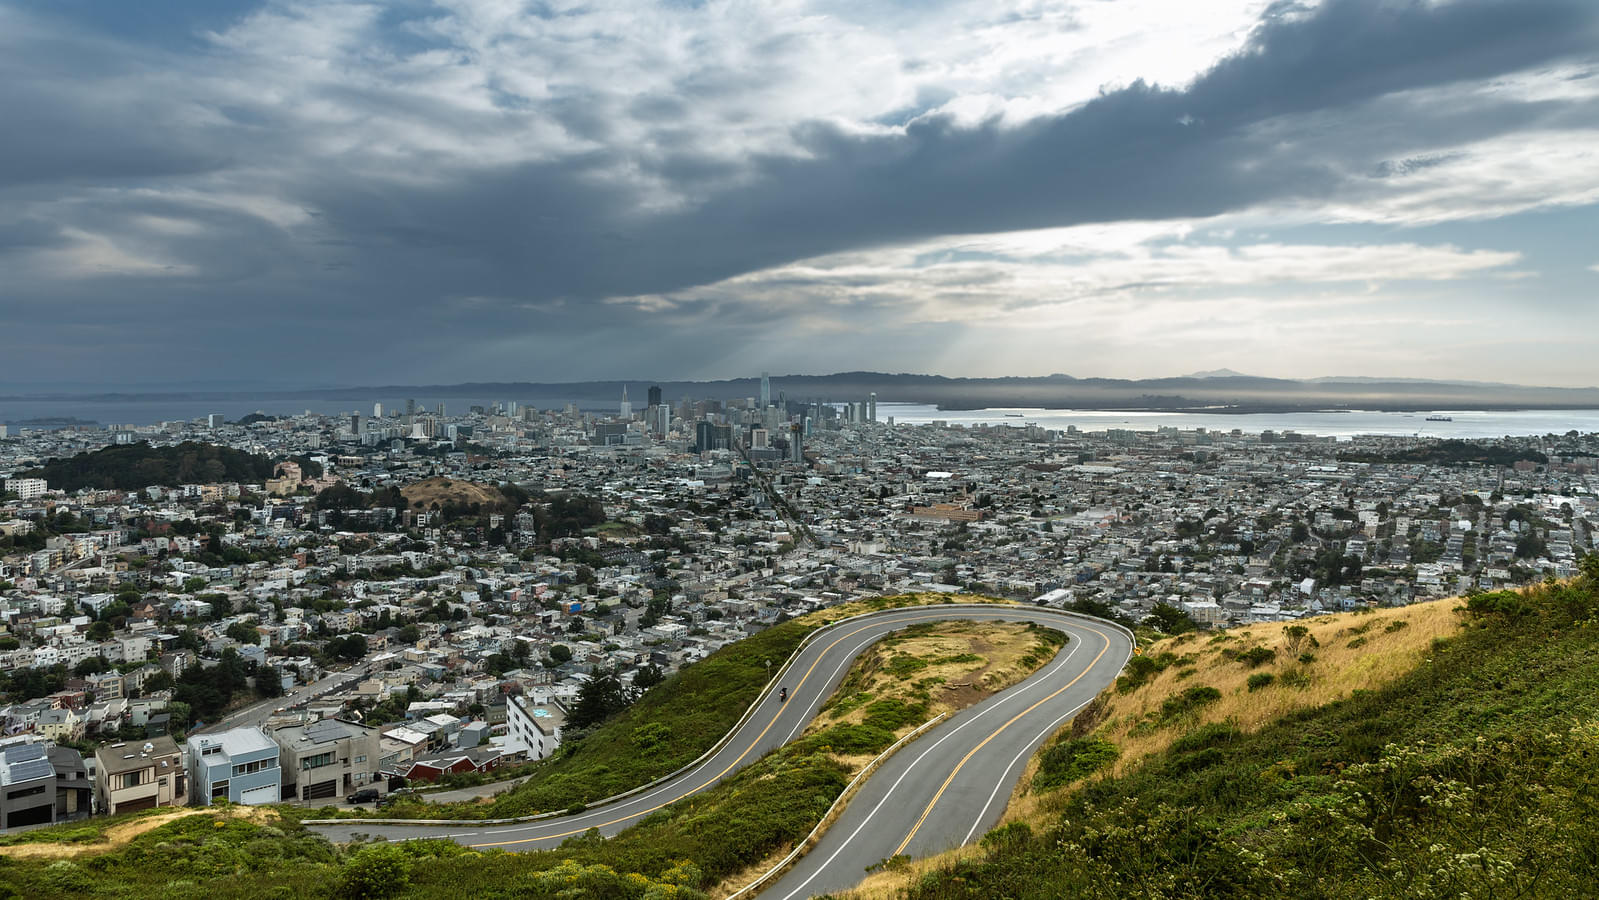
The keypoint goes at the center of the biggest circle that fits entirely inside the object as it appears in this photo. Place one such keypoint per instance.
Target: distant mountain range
(1221, 390)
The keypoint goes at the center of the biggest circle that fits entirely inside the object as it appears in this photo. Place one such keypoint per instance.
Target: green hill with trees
(128, 467)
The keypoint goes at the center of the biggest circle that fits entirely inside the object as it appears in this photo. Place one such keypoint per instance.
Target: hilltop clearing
(450, 492)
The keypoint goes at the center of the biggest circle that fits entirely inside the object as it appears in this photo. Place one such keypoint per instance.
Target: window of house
(317, 761)
(251, 767)
(359, 760)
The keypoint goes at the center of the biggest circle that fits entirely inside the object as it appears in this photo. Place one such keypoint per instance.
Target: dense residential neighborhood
(412, 597)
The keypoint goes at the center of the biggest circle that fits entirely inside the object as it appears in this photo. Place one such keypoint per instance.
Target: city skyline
(437, 193)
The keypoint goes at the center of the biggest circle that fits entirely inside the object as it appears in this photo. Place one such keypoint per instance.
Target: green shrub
(375, 871)
(1071, 760)
(1257, 656)
(1188, 701)
(1260, 680)
(1206, 736)
(1140, 669)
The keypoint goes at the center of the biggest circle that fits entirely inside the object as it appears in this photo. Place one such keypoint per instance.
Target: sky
(310, 193)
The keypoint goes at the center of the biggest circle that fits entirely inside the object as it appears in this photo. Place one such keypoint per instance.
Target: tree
(648, 677)
(1530, 546)
(243, 633)
(1169, 619)
(350, 647)
(221, 606)
(100, 631)
(560, 653)
(268, 683)
(409, 634)
(602, 696)
(93, 665)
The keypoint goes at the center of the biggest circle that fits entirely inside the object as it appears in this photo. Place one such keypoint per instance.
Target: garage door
(266, 793)
(322, 789)
(136, 805)
(37, 815)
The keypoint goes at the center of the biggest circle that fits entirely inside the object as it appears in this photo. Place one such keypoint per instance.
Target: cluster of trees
(1451, 452)
(205, 692)
(602, 696)
(568, 515)
(133, 466)
(1330, 568)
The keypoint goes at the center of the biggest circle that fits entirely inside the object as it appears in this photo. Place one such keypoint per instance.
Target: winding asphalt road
(940, 791)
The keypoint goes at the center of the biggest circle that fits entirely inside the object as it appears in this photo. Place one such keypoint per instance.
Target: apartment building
(239, 765)
(327, 759)
(131, 776)
(533, 729)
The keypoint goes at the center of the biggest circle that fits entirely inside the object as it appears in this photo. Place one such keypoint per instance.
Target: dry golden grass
(119, 835)
(447, 490)
(968, 661)
(1337, 670)
(901, 601)
(888, 884)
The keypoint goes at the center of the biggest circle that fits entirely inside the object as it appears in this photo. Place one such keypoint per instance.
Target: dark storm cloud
(532, 248)
(1124, 155)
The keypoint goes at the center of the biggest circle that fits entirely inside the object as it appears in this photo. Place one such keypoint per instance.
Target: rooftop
(126, 757)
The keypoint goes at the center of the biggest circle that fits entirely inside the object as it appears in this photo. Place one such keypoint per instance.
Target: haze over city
(318, 193)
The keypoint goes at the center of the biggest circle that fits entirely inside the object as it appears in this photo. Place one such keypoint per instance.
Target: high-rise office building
(796, 443)
(355, 423)
(626, 409)
(441, 410)
(766, 390)
(377, 410)
(711, 436)
(758, 439)
(658, 419)
(871, 407)
(655, 395)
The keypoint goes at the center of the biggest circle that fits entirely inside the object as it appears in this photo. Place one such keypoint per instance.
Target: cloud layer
(481, 189)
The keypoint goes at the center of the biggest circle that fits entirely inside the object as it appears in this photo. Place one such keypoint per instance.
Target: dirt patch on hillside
(119, 835)
(445, 491)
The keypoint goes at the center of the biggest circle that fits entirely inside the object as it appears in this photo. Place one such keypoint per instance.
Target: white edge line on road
(903, 775)
(982, 611)
(1028, 748)
(1005, 773)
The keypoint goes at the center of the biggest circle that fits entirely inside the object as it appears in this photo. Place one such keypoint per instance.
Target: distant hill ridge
(129, 467)
(1216, 390)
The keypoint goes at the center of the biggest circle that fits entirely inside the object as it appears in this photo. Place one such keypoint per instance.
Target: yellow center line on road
(973, 752)
(634, 815)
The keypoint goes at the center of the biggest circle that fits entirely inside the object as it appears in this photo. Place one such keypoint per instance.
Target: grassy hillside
(670, 726)
(677, 852)
(447, 492)
(1469, 773)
